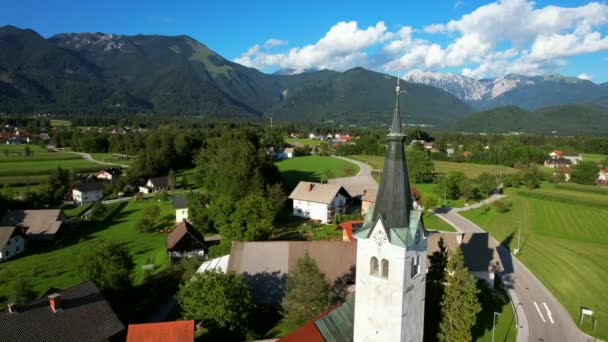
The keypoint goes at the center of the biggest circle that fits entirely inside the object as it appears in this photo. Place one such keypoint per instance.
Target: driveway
(540, 317)
(355, 185)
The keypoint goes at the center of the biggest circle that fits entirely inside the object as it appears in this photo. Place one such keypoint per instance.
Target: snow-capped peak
(463, 87)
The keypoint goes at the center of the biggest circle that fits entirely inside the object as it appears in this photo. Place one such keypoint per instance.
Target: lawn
(303, 141)
(60, 123)
(469, 169)
(505, 330)
(26, 167)
(109, 158)
(313, 169)
(564, 244)
(58, 267)
(595, 157)
(435, 223)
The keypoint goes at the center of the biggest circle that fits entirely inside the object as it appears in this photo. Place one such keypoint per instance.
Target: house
(180, 203)
(312, 136)
(87, 192)
(185, 241)
(554, 163)
(416, 142)
(79, 313)
(368, 198)
(154, 185)
(12, 242)
(574, 158)
(348, 228)
(449, 151)
(602, 178)
(428, 145)
(41, 225)
(110, 175)
(467, 153)
(562, 170)
(317, 201)
(289, 152)
(556, 154)
(345, 138)
(178, 331)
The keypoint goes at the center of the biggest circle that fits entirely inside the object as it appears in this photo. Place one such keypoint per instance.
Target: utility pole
(494, 325)
(270, 122)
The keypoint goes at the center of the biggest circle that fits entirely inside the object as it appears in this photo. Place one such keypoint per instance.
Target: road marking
(540, 313)
(548, 313)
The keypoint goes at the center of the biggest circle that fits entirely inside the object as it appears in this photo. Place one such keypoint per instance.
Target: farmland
(303, 141)
(563, 243)
(314, 169)
(56, 267)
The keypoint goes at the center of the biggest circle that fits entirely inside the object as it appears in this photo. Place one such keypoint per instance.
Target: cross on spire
(396, 125)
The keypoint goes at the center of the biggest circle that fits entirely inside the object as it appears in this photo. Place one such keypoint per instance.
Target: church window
(384, 265)
(415, 266)
(373, 266)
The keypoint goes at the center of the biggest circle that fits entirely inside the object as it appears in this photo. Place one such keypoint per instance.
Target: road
(540, 316)
(355, 185)
(87, 157)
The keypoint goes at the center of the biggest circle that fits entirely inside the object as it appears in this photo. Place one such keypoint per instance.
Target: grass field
(435, 223)
(58, 267)
(564, 244)
(594, 157)
(109, 158)
(303, 141)
(60, 123)
(505, 331)
(471, 170)
(313, 169)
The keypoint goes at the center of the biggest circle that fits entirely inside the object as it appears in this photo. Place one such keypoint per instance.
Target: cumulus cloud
(500, 37)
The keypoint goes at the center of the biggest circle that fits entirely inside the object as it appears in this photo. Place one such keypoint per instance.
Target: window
(384, 265)
(373, 266)
(415, 266)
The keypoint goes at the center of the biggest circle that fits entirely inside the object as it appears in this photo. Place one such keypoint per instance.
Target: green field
(60, 123)
(109, 158)
(58, 267)
(303, 141)
(27, 167)
(435, 223)
(471, 170)
(595, 157)
(505, 330)
(314, 169)
(564, 244)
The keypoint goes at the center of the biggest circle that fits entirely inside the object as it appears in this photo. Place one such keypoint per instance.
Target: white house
(289, 152)
(311, 136)
(154, 185)
(574, 158)
(181, 208)
(12, 242)
(109, 175)
(87, 192)
(318, 201)
(602, 178)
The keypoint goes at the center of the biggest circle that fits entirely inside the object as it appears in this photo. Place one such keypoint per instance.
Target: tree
(251, 220)
(109, 265)
(420, 167)
(219, 301)
(308, 293)
(21, 290)
(147, 222)
(171, 181)
(430, 201)
(435, 287)
(98, 211)
(199, 213)
(27, 151)
(530, 180)
(486, 183)
(57, 184)
(451, 185)
(585, 172)
(459, 305)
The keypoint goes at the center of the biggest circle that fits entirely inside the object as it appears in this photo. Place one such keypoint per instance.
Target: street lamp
(494, 325)
(518, 236)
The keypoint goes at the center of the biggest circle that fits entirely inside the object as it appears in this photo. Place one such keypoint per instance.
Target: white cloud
(458, 3)
(585, 76)
(272, 42)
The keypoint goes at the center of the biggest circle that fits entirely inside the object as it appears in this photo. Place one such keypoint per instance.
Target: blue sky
(474, 38)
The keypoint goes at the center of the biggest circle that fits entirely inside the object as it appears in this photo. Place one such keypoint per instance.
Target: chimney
(55, 302)
(364, 192)
(12, 308)
(310, 186)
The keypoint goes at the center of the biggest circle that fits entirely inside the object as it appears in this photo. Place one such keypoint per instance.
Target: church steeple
(394, 201)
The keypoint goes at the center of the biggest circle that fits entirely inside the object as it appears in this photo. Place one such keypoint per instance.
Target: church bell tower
(391, 254)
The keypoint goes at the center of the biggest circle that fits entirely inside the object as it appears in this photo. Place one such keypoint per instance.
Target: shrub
(502, 207)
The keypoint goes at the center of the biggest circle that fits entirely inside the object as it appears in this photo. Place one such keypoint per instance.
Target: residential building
(155, 184)
(368, 199)
(180, 204)
(178, 331)
(428, 145)
(449, 151)
(289, 152)
(87, 192)
(109, 175)
(554, 163)
(348, 228)
(562, 170)
(186, 241)
(319, 202)
(41, 225)
(602, 178)
(556, 154)
(12, 242)
(79, 313)
(574, 158)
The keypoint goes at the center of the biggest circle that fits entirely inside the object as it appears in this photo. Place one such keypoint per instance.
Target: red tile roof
(558, 153)
(347, 228)
(179, 331)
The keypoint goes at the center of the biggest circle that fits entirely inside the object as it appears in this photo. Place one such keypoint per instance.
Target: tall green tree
(585, 172)
(219, 301)
(21, 290)
(435, 288)
(308, 293)
(109, 265)
(419, 166)
(459, 305)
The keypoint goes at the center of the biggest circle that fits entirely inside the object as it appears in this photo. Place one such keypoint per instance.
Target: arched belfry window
(384, 265)
(373, 266)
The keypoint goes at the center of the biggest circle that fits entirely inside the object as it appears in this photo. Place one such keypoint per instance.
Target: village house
(319, 202)
(79, 313)
(554, 163)
(38, 225)
(562, 171)
(428, 145)
(87, 192)
(348, 228)
(574, 158)
(289, 152)
(556, 154)
(367, 199)
(602, 178)
(311, 136)
(178, 331)
(449, 152)
(186, 241)
(180, 204)
(12, 242)
(154, 184)
(109, 175)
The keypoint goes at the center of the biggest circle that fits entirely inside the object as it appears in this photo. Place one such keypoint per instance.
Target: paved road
(355, 185)
(540, 316)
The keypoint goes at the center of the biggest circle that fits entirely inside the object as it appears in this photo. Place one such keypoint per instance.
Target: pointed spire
(394, 201)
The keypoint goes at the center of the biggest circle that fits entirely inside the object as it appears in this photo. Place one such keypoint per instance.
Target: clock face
(379, 237)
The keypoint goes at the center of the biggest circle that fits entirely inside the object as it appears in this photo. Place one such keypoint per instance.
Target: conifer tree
(459, 307)
(308, 293)
(435, 287)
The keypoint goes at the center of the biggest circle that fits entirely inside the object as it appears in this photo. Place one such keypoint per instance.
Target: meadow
(303, 141)
(60, 123)
(313, 169)
(595, 157)
(57, 267)
(565, 244)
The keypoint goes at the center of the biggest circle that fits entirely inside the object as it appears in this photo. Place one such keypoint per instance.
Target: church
(391, 261)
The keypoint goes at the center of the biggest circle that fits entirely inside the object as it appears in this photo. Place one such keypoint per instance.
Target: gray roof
(90, 186)
(160, 182)
(180, 202)
(477, 248)
(42, 221)
(317, 192)
(84, 316)
(370, 195)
